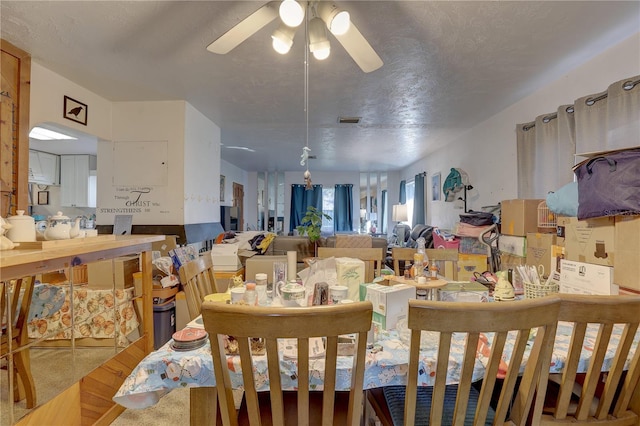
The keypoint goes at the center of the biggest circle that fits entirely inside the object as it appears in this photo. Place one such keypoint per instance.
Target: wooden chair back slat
(273, 323)
(595, 402)
(373, 258)
(472, 319)
(198, 280)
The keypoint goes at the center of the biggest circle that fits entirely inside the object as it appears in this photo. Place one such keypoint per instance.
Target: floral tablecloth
(50, 314)
(386, 365)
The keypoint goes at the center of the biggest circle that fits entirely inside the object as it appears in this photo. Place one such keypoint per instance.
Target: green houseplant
(312, 224)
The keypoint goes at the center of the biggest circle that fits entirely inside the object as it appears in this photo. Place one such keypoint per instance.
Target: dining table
(386, 364)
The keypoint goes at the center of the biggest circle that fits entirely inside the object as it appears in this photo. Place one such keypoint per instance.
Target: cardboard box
(470, 263)
(163, 247)
(539, 250)
(464, 291)
(471, 245)
(350, 273)
(626, 262)
(225, 257)
(519, 217)
(516, 246)
(586, 278)
(390, 303)
(590, 240)
(102, 274)
(557, 254)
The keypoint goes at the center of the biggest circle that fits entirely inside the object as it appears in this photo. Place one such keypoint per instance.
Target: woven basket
(533, 291)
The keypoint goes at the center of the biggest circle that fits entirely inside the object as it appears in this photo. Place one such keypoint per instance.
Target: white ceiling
(447, 67)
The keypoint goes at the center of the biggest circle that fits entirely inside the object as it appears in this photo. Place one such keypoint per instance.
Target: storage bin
(164, 323)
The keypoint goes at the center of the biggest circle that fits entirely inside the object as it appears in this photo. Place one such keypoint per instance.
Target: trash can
(164, 323)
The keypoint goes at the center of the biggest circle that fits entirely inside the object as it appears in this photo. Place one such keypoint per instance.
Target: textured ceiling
(447, 67)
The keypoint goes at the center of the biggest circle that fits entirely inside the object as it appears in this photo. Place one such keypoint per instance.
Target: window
(327, 208)
(410, 188)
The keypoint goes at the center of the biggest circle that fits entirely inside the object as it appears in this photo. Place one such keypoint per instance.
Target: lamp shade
(318, 41)
(291, 13)
(337, 20)
(282, 39)
(399, 213)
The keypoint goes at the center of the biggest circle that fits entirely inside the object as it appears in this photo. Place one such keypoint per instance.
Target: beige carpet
(173, 409)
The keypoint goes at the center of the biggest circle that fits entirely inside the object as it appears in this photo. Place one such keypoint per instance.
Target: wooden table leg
(203, 403)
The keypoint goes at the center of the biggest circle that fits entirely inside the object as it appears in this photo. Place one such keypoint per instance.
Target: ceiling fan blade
(245, 29)
(360, 50)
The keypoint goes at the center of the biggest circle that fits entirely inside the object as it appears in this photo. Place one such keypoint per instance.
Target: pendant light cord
(306, 80)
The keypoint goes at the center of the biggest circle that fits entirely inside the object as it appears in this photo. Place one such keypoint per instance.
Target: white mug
(237, 294)
(338, 293)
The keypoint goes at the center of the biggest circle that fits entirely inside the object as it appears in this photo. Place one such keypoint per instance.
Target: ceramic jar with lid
(24, 228)
(60, 227)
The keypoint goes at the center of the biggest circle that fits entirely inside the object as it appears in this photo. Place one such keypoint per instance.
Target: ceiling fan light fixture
(318, 42)
(337, 20)
(291, 12)
(282, 39)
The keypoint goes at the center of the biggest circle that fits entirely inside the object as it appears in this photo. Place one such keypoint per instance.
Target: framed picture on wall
(43, 197)
(222, 184)
(435, 187)
(75, 110)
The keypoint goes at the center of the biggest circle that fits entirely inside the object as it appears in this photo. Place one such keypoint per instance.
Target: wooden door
(15, 76)
(238, 201)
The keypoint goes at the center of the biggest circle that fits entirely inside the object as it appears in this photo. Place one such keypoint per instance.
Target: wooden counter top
(17, 256)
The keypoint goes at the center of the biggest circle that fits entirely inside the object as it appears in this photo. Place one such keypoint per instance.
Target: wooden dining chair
(198, 280)
(595, 397)
(280, 407)
(444, 257)
(373, 258)
(14, 336)
(443, 404)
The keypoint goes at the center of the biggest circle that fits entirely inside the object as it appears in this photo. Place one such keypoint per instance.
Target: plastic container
(250, 295)
(261, 288)
(164, 323)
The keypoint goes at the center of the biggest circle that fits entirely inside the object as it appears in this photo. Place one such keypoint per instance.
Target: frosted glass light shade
(291, 13)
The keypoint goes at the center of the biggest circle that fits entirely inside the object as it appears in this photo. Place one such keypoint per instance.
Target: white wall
(161, 122)
(48, 90)
(201, 168)
(487, 152)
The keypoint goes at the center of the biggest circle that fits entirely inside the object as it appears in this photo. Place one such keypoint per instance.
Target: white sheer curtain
(546, 149)
(597, 122)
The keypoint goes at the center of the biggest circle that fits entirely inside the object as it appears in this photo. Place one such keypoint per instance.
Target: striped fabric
(395, 396)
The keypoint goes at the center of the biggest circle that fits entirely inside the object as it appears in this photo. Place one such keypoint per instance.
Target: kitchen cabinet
(44, 168)
(77, 182)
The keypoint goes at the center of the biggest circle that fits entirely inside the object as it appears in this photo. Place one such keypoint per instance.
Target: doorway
(238, 201)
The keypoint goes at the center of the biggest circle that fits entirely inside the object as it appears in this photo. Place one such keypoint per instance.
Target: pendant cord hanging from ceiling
(306, 149)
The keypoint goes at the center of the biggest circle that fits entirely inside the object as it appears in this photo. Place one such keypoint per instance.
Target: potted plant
(312, 224)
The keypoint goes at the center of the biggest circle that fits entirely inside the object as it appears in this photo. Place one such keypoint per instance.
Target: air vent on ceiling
(349, 120)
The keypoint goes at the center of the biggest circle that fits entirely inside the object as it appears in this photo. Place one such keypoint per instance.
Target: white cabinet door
(50, 165)
(74, 180)
(44, 168)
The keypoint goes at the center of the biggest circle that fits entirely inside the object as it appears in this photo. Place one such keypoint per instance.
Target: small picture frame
(75, 110)
(222, 185)
(43, 197)
(435, 187)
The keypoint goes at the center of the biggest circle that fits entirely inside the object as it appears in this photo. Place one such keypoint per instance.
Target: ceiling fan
(319, 14)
